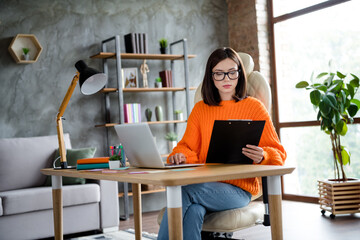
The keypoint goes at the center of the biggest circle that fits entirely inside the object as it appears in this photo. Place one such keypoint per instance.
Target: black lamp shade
(90, 80)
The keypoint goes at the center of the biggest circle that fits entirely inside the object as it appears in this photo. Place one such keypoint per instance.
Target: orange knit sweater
(195, 142)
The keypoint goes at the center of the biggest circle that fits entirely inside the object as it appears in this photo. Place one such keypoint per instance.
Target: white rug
(128, 234)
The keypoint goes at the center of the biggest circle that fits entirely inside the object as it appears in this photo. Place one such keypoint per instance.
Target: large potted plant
(333, 97)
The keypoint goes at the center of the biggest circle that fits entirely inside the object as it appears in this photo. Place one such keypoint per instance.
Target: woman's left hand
(253, 152)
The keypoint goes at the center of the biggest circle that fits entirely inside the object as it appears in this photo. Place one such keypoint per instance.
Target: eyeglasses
(232, 75)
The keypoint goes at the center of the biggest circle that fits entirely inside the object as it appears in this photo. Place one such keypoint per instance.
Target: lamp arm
(59, 126)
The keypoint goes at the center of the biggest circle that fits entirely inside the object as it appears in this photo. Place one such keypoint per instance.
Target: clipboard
(229, 137)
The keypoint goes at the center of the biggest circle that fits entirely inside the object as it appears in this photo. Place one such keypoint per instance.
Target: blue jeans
(197, 199)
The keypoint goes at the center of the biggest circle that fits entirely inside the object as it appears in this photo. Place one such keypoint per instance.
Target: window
(310, 40)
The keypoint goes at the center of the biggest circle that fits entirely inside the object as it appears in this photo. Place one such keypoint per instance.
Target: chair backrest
(257, 86)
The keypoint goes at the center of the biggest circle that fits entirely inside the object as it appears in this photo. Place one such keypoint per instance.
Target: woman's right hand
(177, 158)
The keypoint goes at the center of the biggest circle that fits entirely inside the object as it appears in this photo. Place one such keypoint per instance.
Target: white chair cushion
(230, 220)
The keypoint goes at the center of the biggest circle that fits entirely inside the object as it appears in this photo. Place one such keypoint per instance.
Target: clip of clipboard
(229, 137)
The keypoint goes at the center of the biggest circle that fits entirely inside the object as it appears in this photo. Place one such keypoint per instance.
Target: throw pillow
(72, 155)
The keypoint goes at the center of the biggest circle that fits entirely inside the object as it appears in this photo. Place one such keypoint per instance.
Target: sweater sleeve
(189, 145)
(274, 152)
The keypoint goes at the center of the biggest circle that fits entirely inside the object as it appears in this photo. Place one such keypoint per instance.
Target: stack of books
(166, 78)
(92, 163)
(132, 113)
(136, 43)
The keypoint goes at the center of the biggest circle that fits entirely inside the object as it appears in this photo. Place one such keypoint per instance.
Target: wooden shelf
(150, 123)
(106, 55)
(143, 192)
(25, 41)
(167, 89)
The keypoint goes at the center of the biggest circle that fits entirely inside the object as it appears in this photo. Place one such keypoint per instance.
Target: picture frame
(130, 78)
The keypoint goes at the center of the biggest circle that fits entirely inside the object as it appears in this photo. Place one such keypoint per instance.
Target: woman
(224, 97)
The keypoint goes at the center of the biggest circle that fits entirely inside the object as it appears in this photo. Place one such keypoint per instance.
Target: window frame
(278, 125)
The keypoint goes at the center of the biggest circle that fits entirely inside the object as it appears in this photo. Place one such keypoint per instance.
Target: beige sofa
(26, 204)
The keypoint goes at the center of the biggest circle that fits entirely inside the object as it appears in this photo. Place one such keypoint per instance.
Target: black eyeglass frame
(226, 74)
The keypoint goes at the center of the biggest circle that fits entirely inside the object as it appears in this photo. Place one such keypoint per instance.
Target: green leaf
(321, 87)
(302, 84)
(315, 97)
(354, 76)
(324, 108)
(355, 101)
(321, 75)
(351, 90)
(336, 118)
(318, 116)
(329, 99)
(345, 155)
(353, 109)
(337, 84)
(354, 83)
(341, 128)
(326, 123)
(340, 75)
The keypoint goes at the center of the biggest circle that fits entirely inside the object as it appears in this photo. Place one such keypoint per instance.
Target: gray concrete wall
(71, 30)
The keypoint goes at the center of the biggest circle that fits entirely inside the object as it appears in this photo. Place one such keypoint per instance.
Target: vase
(26, 57)
(163, 50)
(159, 113)
(171, 145)
(114, 164)
(158, 84)
(179, 116)
(148, 114)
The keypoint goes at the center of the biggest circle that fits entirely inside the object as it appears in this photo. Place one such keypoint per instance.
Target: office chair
(221, 225)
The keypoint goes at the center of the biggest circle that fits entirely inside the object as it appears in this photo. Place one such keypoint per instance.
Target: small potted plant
(163, 46)
(334, 99)
(171, 137)
(158, 82)
(26, 55)
(179, 115)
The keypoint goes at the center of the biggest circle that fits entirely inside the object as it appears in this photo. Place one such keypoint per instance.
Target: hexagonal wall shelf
(25, 41)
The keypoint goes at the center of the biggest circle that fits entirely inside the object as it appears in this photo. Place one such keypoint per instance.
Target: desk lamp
(91, 81)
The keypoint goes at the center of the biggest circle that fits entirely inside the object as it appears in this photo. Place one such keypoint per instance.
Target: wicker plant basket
(339, 197)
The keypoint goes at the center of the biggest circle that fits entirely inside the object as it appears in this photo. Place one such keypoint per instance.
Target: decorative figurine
(144, 69)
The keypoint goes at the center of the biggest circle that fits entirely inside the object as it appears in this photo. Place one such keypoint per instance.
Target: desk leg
(136, 189)
(174, 208)
(275, 208)
(56, 182)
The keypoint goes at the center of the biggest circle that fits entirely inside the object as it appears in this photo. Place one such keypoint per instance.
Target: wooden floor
(300, 221)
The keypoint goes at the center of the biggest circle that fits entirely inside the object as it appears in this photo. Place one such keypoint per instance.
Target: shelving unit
(119, 90)
(25, 41)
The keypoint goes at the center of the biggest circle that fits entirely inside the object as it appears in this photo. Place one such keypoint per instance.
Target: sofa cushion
(35, 199)
(22, 158)
(72, 155)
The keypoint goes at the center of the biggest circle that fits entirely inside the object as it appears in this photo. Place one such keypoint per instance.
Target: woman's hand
(177, 158)
(255, 153)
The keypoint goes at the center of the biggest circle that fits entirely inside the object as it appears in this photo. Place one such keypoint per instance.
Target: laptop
(140, 147)
(229, 137)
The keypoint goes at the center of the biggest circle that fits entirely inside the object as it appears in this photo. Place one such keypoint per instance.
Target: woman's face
(226, 86)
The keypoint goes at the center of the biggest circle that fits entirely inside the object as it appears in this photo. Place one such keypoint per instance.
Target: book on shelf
(145, 37)
(132, 113)
(130, 43)
(136, 43)
(92, 166)
(93, 160)
(166, 78)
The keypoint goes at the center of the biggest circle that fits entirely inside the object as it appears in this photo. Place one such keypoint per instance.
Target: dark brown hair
(209, 92)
